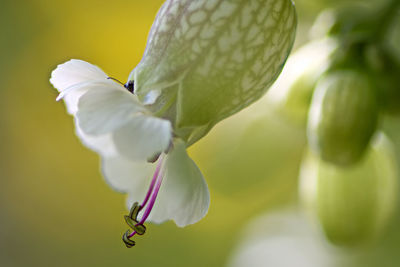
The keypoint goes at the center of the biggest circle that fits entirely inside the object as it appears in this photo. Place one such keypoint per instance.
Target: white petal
(184, 195)
(72, 73)
(102, 144)
(128, 176)
(106, 107)
(143, 137)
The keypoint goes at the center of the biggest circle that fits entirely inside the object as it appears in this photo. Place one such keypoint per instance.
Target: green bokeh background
(56, 209)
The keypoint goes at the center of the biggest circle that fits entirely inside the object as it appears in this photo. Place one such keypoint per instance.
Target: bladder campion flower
(204, 61)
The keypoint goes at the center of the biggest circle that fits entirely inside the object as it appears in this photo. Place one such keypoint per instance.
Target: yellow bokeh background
(56, 209)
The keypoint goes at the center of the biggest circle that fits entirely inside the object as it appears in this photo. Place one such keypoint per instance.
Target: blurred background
(56, 209)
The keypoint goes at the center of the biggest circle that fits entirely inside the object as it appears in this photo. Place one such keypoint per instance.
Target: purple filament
(153, 182)
(153, 191)
(153, 199)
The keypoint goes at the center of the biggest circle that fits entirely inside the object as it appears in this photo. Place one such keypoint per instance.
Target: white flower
(204, 61)
(110, 120)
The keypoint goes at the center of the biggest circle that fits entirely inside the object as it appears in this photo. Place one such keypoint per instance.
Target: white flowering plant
(204, 61)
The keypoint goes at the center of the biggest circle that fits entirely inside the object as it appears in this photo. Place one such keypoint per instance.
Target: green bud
(353, 204)
(343, 116)
(208, 59)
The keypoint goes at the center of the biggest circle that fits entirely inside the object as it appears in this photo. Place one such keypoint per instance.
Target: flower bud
(353, 204)
(343, 116)
(206, 60)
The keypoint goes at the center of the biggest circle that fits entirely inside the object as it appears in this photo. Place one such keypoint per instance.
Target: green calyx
(209, 59)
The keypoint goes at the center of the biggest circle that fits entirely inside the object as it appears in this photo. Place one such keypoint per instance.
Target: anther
(132, 221)
(128, 242)
(134, 210)
(130, 86)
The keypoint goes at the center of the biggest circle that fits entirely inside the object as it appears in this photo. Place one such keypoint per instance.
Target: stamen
(116, 80)
(153, 182)
(151, 203)
(130, 86)
(151, 195)
(128, 242)
(153, 199)
(132, 221)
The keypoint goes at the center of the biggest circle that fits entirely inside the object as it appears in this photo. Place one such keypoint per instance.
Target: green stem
(387, 15)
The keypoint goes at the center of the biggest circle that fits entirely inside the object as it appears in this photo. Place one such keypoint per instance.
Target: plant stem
(386, 16)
